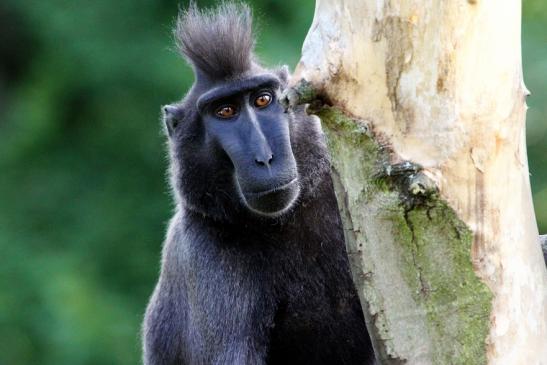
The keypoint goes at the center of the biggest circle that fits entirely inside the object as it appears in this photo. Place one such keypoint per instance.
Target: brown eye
(263, 100)
(226, 111)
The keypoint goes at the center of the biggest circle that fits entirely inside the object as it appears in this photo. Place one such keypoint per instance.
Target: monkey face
(235, 149)
(244, 119)
(235, 153)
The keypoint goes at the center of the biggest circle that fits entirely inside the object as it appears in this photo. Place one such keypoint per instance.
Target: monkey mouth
(273, 202)
(272, 190)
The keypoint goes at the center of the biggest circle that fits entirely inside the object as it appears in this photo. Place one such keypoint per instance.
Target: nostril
(262, 161)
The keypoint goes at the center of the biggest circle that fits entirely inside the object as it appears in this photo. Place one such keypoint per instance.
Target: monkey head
(231, 142)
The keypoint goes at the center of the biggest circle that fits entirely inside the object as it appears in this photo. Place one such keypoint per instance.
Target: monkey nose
(265, 160)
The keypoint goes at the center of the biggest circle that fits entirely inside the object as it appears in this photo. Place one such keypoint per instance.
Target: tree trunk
(425, 125)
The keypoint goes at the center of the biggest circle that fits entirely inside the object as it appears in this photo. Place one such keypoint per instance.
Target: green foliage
(534, 57)
(83, 196)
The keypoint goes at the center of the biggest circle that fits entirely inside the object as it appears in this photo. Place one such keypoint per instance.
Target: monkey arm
(162, 331)
(231, 309)
(166, 314)
(212, 305)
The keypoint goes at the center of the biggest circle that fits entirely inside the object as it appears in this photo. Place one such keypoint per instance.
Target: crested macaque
(254, 267)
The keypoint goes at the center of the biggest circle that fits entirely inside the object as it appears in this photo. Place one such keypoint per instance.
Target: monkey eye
(263, 100)
(226, 111)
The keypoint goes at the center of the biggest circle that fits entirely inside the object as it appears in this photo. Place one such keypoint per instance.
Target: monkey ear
(172, 115)
(284, 74)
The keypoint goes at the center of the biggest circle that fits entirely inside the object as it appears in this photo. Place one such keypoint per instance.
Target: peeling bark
(429, 163)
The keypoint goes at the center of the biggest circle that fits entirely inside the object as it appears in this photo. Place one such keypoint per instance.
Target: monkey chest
(317, 323)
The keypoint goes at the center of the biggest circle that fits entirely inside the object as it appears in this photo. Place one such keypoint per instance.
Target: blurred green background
(83, 196)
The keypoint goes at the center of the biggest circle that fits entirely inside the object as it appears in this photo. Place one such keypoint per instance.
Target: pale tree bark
(444, 248)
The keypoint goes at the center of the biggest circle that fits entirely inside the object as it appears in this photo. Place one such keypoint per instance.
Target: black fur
(237, 287)
(219, 42)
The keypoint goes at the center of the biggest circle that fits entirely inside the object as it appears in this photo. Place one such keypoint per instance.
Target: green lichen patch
(457, 303)
(432, 309)
(301, 93)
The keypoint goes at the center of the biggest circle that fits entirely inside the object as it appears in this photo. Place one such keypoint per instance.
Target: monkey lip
(259, 194)
(275, 201)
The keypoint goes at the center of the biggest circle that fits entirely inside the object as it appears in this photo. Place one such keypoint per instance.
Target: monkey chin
(273, 202)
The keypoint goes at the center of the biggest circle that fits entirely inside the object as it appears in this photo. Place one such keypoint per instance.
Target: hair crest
(217, 42)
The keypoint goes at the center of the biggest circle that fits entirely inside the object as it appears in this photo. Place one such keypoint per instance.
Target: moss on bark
(410, 255)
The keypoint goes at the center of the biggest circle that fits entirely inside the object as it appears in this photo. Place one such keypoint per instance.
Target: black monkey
(254, 267)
